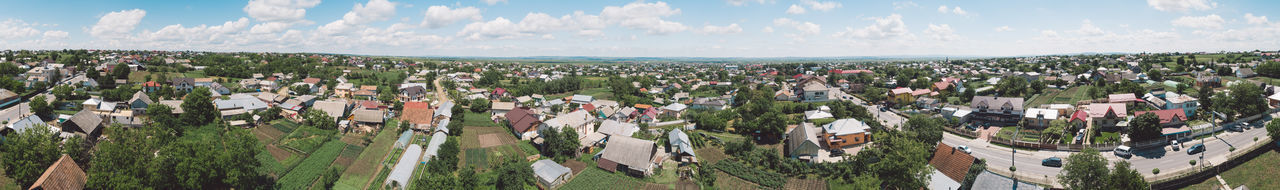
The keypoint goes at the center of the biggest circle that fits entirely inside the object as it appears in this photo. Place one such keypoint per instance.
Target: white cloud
(1088, 29)
(795, 9)
(1049, 34)
(883, 28)
(721, 30)
(644, 16)
(374, 10)
(904, 4)
(288, 11)
(56, 34)
(953, 10)
(941, 32)
(201, 34)
(395, 35)
(17, 29)
(1003, 29)
(1181, 5)
(1212, 21)
(532, 24)
(117, 24)
(493, 2)
(1255, 19)
(269, 27)
(767, 29)
(806, 28)
(742, 2)
(441, 16)
(822, 5)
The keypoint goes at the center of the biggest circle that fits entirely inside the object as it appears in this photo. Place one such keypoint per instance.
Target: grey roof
(988, 180)
(333, 108)
(443, 125)
(445, 109)
(612, 127)
(632, 152)
(87, 121)
(26, 123)
(675, 107)
(806, 133)
(549, 170)
(176, 105)
(582, 99)
(368, 116)
(141, 96)
(414, 91)
(679, 139)
(6, 94)
(996, 103)
(404, 168)
(240, 102)
(846, 126)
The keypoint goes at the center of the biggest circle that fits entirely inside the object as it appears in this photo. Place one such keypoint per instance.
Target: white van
(1123, 151)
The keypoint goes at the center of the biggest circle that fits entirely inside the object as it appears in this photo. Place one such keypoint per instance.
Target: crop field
(595, 178)
(476, 157)
(362, 169)
(726, 181)
(306, 138)
(805, 184)
(311, 168)
(710, 155)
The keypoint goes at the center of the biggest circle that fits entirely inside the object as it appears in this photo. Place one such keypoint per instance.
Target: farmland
(360, 171)
(311, 168)
(483, 145)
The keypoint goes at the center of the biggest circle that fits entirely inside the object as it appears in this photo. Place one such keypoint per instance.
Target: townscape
(655, 95)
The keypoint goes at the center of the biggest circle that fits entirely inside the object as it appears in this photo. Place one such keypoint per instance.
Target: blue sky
(704, 28)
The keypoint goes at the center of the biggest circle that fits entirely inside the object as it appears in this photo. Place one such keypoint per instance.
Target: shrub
(764, 178)
(1193, 162)
(1155, 171)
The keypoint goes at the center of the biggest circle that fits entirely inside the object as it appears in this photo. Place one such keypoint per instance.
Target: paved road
(1169, 161)
(888, 119)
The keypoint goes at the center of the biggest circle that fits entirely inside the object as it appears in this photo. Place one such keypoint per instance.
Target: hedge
(764, 178)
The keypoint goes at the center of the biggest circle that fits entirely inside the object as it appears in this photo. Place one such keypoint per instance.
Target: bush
(1155, 171)
(1193, 162)
(764, 178)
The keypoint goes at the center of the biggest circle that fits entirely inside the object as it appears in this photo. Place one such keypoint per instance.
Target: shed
(550, 174)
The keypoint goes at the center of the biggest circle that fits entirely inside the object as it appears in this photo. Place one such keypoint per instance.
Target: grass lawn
(1006, 132)
(360, 172)
(138, 76)
(596, 178)
(6, 182)
(195, 74)
(598, 93)
(1104, 137)
(478, 119)
(306, 139)
(726, 137)
(1256, 173)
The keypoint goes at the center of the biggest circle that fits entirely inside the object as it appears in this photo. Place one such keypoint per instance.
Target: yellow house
(902, 95)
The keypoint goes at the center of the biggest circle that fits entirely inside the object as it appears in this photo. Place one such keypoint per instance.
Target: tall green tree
(903, 161)
(28, 153)
(198, 107)
(514, 174)
(1084, 170)
(1145, 127)
(479, 105)
(1273, 130)
(1124, 177)
(319, 119)
(1248, 99)
(41, 108)
(927, 129)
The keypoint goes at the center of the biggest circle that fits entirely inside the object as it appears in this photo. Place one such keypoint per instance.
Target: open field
(482, 145)
(311, 168)
(595, 178)
(726, 181)
(1069, 96)
(306, 138)
(710, 155)
(1257, 173)
(805, 184)
(478, 120)
(360, 171)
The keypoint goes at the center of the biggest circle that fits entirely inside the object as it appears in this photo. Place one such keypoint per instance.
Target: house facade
(996, 111)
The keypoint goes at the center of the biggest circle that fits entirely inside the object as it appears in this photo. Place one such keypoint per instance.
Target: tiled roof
(953, 163)
(1166, 116)
(63, 174)
(521, 119)
(418, 113)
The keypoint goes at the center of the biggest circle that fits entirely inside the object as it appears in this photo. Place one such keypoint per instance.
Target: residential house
(344, 90)
(1245, 73)
(336, 109)
(901, 95)
(183, 84)
(151, 86)
(582, 99)
(1168, 118)
(1123, 98)
(1039, 117)
(617, 128)
(418, 115)
(629, 155)
(996, 111)
(1107, 115)
(580, 121)
(709, 103)
(8, 98)
(251, 84)
(501, 108)
(813, 89)
(803, 142)
(498, 93)
(368, 120)
(648, 115)
(62, 174)
(785, 95)
(674, 110)
(681, 147)
(239, 104)
(928, 103)
(951, 162)
(523, 123)
(550, 174)
(845, 132)
(1208, 80)
(85, 122)
(1188, 104)
(413, 93)
(139, 102)
(823, 112)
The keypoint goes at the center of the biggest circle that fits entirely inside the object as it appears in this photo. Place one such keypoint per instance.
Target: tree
(320, 119)
(903, 161)
(925, 128)
(557, 108)
(1124, 177)
(121, 71)
(1013, 86)
(1057, 127)
(41, 108)
(467, 178)
(1145, 127)
(514, 175)
(1273, 130)
(197, 108)
(967, 95)
(1269, 69)
(162, 116)
(1084, 170)
(1037, 86)
(1206, 104)
(480, 105)
(63, 91)
(455, 127)
(271, 114)
(1248, 99)
(30, 152)
(1155, 75)
(569, 142)
(706, 175)
(447, 161)
(436, 181)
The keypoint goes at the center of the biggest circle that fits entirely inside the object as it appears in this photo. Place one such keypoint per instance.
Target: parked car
(837, 152)
(1123, 151)
(1174, 144)
(1195, 149)
(965, 149)
(1052, 162)
(1080, 136)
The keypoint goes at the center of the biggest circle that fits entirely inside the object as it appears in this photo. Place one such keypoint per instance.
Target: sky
(647, 28)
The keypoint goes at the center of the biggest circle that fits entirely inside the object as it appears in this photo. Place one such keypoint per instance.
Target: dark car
(1195, 149)
(1052, 162)
(837, 152)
